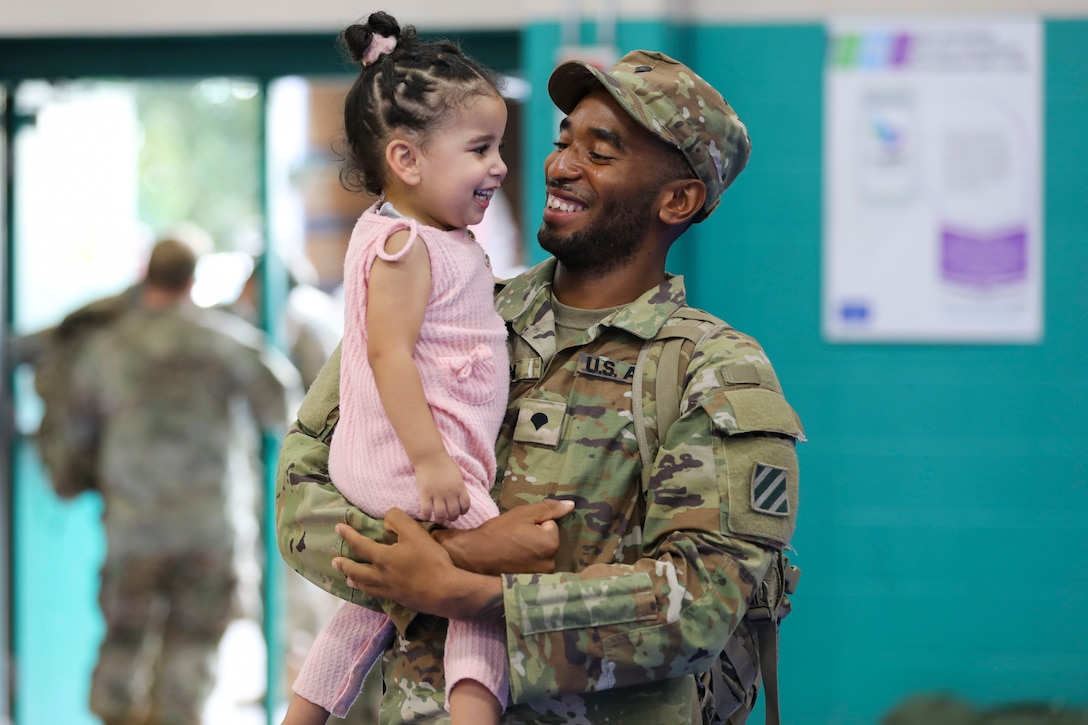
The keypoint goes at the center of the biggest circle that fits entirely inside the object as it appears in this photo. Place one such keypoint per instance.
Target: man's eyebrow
(604, 134)
(608, 136)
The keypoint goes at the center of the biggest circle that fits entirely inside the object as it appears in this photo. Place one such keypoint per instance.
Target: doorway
(101, 168)
(154, 134)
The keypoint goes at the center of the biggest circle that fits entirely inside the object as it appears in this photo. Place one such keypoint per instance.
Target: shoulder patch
(769, 489)
(759, 475)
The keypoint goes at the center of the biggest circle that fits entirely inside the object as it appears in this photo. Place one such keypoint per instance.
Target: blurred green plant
(200, 157)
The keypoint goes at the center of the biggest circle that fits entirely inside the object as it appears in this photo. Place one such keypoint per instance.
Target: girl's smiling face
(460, 165)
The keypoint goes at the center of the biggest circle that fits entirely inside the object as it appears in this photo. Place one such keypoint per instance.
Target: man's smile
(559, 204)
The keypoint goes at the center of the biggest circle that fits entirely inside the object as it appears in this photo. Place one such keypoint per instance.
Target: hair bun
(370, 42)
(379, 47)
(381, 23)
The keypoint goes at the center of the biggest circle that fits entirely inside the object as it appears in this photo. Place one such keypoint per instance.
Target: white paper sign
(932, 190)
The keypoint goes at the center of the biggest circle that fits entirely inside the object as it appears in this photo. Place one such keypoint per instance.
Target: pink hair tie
(379, 45)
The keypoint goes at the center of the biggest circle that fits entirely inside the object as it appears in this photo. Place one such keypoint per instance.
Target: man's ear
(402, 158)
(681, 200)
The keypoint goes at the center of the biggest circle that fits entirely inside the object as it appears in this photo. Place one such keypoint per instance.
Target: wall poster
(932, 187)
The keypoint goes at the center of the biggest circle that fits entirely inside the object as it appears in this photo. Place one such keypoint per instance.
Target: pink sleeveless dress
(463, 364)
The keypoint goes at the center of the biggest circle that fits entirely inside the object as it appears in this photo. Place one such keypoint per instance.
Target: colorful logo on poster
(870, 50)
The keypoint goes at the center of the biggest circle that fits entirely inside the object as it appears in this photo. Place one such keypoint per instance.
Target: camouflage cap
(673, 103)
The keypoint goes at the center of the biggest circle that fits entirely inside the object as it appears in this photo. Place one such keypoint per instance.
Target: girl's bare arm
(398, 293)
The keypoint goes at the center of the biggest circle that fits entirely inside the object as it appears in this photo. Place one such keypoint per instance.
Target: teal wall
(57, 627)
(944, 512)
(943, 487)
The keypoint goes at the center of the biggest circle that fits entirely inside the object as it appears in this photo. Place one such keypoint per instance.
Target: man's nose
(562, 163)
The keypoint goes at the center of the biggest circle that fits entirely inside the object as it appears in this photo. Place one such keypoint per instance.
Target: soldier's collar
(644, 317)
(529, 289)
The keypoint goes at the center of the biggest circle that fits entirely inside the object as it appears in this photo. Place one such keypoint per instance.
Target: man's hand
(417, 573)
(523, 540)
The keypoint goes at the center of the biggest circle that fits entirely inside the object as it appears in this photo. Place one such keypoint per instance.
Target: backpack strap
(684, 325)
(668, 366)
(770, 606)
(771, 603)
(668, 396)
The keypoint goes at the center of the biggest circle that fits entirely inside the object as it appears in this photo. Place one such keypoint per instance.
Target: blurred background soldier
(158, 394)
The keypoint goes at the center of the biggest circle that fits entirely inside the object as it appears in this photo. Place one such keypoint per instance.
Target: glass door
(102, 168)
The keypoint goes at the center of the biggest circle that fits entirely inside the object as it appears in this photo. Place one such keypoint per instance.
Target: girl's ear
(402, 157)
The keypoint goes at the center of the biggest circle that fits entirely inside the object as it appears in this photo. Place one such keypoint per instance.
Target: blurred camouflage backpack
(728, 690)
(71, 472)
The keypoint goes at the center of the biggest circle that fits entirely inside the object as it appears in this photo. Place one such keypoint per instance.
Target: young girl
(424, 372)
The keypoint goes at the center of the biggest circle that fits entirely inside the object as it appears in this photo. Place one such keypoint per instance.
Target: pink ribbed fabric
(462, 361)
(463, 364)
(344, 652)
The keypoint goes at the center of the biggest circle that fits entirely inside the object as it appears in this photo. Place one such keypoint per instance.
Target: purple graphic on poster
(984, 261)
(901, 50)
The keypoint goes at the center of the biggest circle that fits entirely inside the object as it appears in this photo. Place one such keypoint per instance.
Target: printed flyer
(932, 187)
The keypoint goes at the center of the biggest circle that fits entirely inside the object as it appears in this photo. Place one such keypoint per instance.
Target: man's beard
(610, 241)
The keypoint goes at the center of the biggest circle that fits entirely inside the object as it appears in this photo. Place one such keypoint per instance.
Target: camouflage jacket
(171, 400)
(650, 583)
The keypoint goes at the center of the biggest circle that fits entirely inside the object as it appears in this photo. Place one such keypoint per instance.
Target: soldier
(158, 393)
(620, 567)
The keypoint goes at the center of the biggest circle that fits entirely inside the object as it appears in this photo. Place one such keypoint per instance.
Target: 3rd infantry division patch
(769, 490)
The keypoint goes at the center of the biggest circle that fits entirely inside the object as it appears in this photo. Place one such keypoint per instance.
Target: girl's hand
(442, 493)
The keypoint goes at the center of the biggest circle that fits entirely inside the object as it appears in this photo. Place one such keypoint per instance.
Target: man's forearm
(478, 597)
(417, 573)
(521, 541)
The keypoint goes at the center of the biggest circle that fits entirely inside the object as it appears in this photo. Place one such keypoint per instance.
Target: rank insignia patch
(769, 491)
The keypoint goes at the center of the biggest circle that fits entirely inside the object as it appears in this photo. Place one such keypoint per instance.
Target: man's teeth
(563, 205)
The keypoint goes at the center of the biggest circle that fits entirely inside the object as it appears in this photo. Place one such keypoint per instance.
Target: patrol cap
(673, 103)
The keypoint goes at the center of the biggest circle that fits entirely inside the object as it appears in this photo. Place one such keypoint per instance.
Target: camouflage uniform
(650, 583)
(161, 395)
